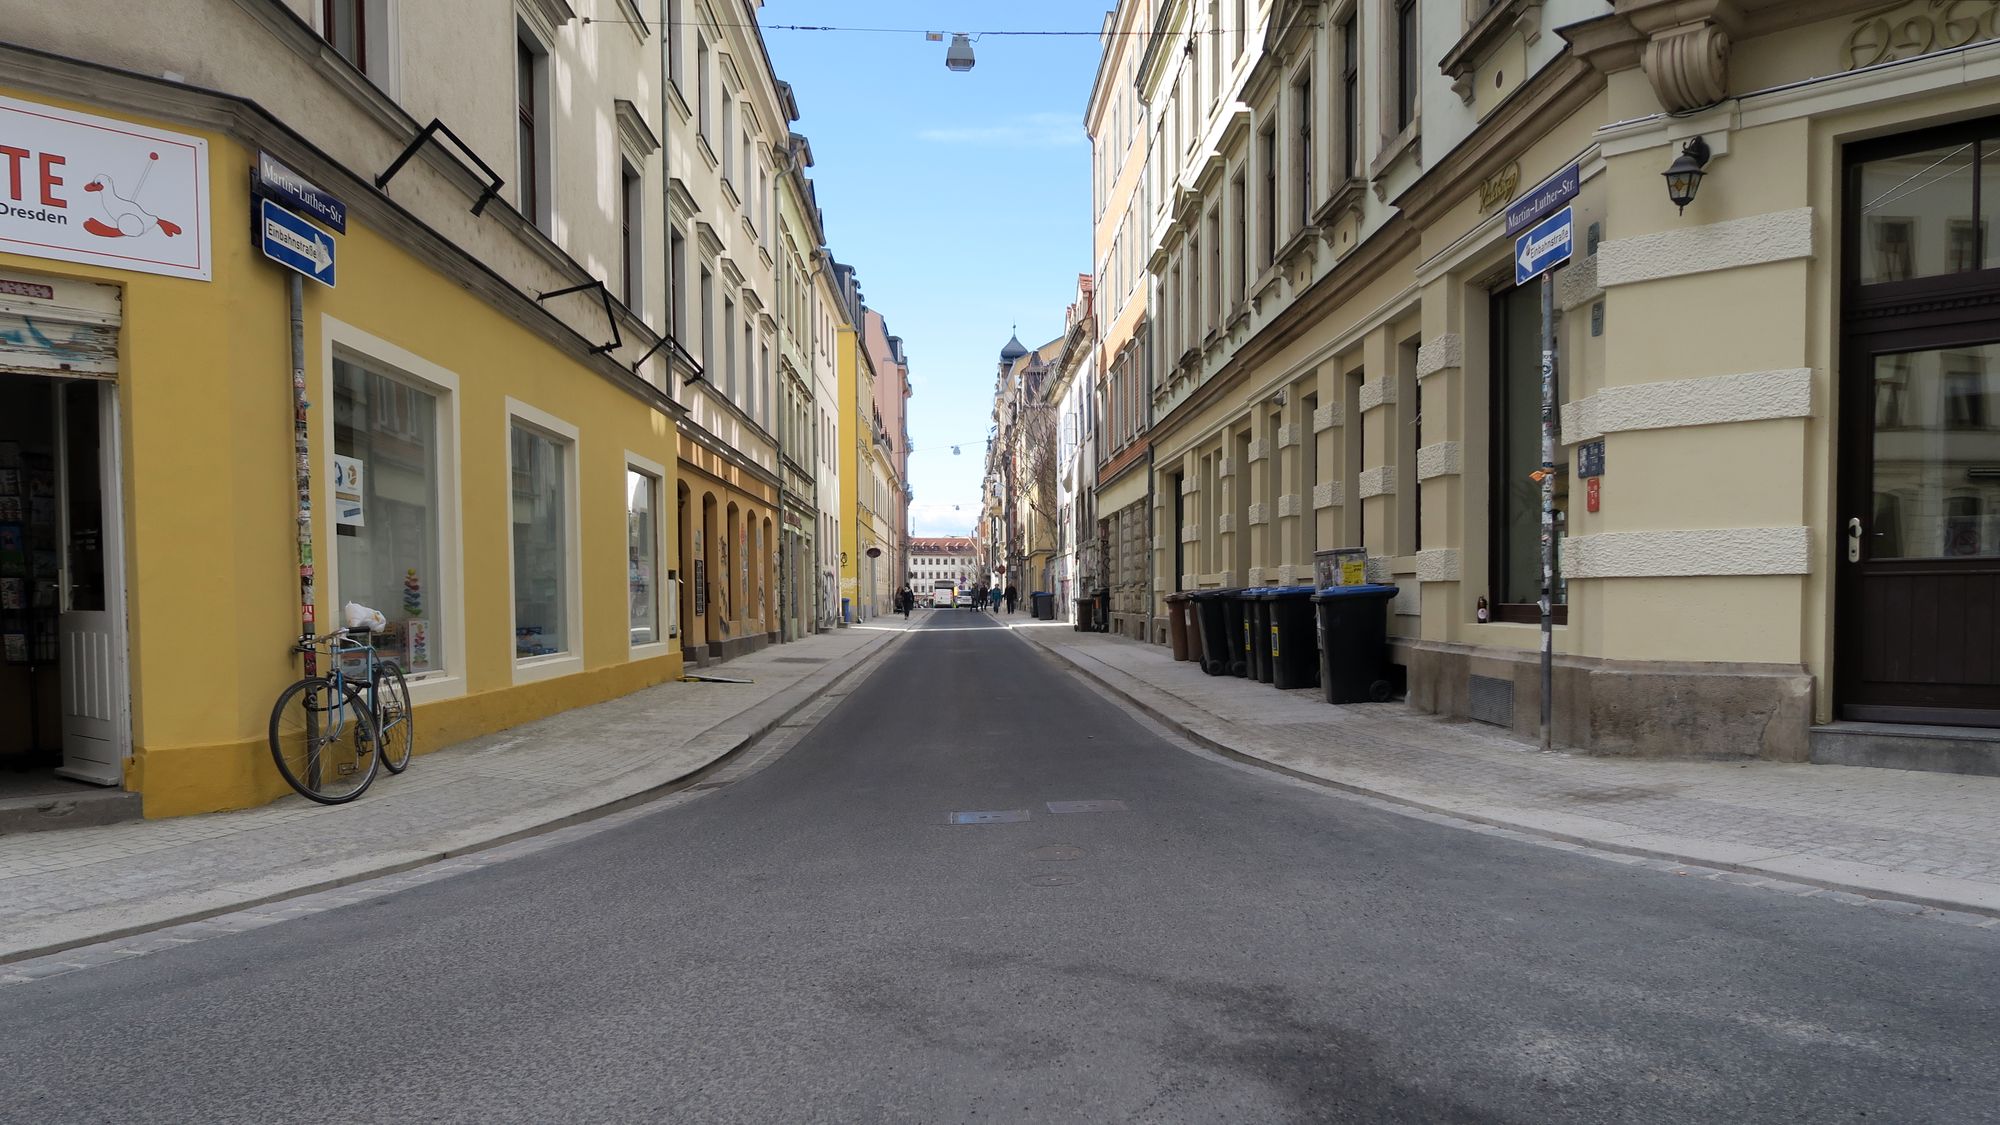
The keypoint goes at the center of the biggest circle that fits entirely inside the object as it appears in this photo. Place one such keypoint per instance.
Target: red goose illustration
(128, 219)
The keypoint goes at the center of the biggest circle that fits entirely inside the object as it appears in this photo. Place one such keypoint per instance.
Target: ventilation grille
(1490, 700)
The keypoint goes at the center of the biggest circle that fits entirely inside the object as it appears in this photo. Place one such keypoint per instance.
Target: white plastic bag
(362, 619)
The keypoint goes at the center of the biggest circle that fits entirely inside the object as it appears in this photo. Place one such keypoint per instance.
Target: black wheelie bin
(1220, 627)
(1354, 643)
(1294, 637)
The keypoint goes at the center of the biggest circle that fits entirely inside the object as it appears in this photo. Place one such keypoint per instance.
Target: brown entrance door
(1919, 545)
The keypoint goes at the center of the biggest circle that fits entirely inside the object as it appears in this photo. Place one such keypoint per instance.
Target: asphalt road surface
(815, 942)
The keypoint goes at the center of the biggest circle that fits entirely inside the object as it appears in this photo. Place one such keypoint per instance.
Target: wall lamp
(1685, 173)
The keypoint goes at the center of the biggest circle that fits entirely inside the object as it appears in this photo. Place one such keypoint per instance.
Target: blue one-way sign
(296, 244)
(1543, 247)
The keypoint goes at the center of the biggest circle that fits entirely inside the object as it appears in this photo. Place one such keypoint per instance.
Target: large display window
(386, 509)
(540, 495)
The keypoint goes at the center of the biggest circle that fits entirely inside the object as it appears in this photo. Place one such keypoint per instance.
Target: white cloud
(1027, 130)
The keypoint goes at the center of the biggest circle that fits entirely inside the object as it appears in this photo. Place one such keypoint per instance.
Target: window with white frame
(631, 236)
(1407, 73)
(363, 32)
(387, 530)
(706, 93)
(642, 553)
(539, 494)
(533, 143)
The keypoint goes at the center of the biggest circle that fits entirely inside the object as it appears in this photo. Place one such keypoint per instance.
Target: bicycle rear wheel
(393, 719)
(324, 741)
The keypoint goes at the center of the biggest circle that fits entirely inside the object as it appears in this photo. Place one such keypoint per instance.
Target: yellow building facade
(513, 525)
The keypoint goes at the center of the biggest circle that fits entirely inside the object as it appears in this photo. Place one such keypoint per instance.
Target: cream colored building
(729, 142)
(1118, 556)
(1791, 380)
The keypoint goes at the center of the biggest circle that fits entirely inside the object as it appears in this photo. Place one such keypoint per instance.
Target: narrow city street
(816, 941)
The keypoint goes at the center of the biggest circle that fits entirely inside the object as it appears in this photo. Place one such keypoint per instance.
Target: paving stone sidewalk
(74, 886)
(1923, 837)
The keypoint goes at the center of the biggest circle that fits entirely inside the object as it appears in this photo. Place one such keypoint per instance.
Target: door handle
(1854, 539)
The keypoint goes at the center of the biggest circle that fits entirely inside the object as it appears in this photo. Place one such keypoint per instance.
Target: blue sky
(962, 200)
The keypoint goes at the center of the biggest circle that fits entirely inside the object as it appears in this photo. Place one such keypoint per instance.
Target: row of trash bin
(1336, 639)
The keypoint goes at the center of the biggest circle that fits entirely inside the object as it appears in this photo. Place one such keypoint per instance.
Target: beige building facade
(1781, 392)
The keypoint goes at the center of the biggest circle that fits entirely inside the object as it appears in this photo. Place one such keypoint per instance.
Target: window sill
(653, 649)
(534, 668)
(707, 153)
(430, 687)
(1394, 147)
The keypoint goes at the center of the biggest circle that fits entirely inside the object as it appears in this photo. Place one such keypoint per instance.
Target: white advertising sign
(79, 188)
(347, 502)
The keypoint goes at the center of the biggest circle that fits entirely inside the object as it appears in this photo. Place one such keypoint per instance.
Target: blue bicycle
(330, 732)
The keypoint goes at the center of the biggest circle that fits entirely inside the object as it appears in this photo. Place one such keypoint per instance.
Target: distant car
(962, 601)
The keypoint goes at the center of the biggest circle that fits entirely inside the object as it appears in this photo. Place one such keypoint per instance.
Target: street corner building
(1775, 351)
(490, 441)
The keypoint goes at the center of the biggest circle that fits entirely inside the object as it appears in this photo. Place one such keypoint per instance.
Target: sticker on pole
(295, 243)
(1543, 246)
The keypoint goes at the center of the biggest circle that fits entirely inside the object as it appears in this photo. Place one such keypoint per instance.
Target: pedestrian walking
(996, 595)
(1011, 595)
(905, 599)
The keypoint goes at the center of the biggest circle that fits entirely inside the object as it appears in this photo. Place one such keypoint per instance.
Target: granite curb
(729, 738)
(1938, 892)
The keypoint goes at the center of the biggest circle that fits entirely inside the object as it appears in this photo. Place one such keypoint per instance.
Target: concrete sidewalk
(1921, 837)
(73, 887)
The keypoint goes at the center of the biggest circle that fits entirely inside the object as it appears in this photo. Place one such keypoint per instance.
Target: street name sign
(1543, 246)
(295, 243)
(300, 194)
(1545, 197)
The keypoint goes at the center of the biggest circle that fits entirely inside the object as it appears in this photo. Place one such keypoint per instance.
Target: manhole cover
(1002, 816)
(1056, 852)
(1050, 880)
(1086, 806)
(797, 660)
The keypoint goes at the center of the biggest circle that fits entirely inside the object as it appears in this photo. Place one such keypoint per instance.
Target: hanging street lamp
(958, 56)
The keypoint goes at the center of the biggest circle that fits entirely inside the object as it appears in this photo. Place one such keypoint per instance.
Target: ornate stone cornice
(1686, 55)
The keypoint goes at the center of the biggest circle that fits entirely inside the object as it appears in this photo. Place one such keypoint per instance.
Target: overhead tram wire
(1017, 32)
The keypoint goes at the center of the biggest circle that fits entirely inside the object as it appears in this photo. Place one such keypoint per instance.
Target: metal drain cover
(797, 660)
(1086, 806)
(1050, 880)
(1056, 852)
(1002, 816)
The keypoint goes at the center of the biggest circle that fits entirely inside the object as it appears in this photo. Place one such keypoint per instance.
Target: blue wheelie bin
(1354, 643)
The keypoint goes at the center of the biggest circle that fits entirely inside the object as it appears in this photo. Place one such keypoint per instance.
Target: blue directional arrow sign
(295, 243)
(1543, 246)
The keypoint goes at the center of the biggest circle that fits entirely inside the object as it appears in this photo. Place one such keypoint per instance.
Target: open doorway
(62, 630)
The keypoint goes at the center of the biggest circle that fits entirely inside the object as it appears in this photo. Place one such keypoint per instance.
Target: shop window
(642, 554)
(1892, 386)
(386, 541)
(1515, 512)
(1965, 393)
(540, 514)
(1918, 211)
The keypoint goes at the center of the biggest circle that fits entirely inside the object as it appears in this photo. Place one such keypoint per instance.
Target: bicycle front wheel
(393, 718)
(324, 741)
